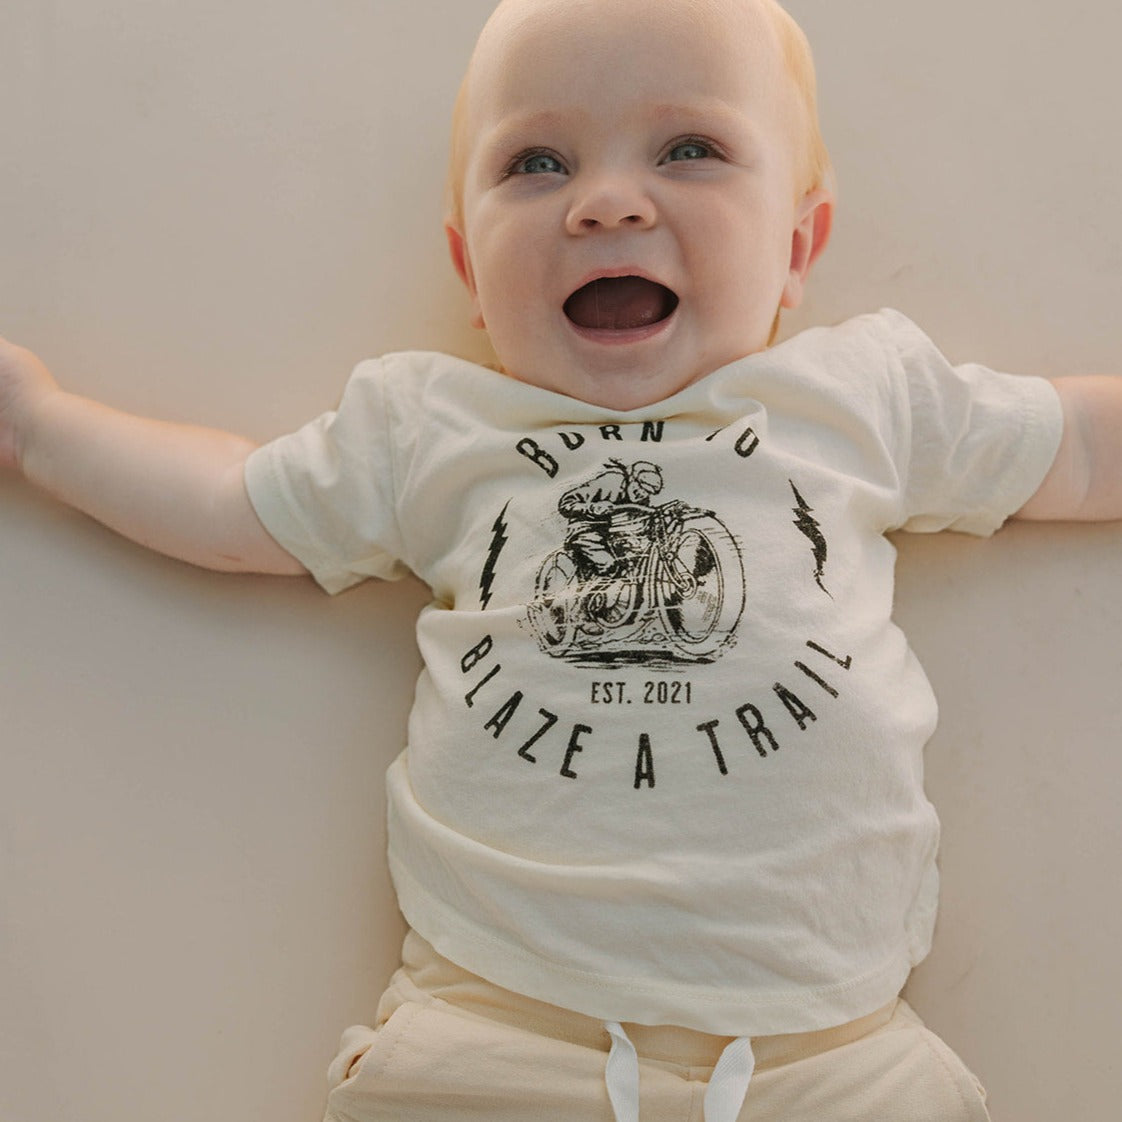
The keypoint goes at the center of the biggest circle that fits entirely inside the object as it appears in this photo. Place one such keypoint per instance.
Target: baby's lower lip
(621, 336)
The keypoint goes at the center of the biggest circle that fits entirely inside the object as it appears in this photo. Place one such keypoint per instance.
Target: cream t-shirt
(664, 764)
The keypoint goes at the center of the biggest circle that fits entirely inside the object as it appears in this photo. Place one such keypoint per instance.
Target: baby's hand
(24, 383)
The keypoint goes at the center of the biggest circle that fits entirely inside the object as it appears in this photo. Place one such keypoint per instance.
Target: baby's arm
(1085, 482)
(177, 489)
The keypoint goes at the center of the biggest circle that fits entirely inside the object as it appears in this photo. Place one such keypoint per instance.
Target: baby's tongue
(619, 303)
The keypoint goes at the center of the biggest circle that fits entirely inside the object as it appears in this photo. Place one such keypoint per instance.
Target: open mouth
(620, 304)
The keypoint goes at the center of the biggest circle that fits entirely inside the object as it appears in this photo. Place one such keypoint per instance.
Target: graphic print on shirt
(808, 525)
(609, 567)
(637, 582)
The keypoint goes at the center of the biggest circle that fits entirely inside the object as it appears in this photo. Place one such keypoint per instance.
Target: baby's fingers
(24, 381)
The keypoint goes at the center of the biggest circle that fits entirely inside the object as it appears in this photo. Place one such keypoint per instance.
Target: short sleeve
(326, 492)
(979, 442)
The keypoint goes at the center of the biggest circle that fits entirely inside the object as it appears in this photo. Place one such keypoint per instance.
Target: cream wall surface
(209, 212)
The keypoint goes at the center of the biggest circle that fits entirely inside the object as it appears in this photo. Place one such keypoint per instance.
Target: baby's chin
(620, 391)
(632, 372)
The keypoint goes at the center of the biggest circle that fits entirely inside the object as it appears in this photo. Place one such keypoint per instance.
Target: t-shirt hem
(1040, 427)
(1041, 418)
(723, 1010)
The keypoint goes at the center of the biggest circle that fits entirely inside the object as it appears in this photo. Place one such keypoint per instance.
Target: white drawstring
(622, 1075)
(724, 1097)
(728, 1085)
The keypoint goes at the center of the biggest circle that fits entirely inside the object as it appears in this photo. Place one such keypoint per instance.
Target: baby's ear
(457, 247)
(814, 220)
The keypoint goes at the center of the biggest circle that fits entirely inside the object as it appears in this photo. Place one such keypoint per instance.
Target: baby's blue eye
(537, 163)
(689, 150)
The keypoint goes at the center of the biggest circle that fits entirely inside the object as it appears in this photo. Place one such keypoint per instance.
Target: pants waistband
(435, 975)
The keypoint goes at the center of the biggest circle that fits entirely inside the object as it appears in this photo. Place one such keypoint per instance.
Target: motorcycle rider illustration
(632, 583)
(602, 525)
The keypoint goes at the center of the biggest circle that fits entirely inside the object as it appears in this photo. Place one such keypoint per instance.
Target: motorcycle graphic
(639, 584)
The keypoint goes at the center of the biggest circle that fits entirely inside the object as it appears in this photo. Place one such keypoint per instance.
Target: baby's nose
(610, 203)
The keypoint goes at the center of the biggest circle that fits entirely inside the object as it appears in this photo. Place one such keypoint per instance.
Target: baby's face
(631, 216)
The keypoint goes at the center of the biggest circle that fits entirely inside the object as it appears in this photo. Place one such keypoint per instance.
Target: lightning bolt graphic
(809, 526)
(498, 540)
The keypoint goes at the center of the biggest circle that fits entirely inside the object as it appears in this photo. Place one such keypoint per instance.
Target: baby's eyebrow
(714, 111)
(520, 125)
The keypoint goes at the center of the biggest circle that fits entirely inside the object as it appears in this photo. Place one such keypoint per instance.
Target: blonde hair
(798, 62)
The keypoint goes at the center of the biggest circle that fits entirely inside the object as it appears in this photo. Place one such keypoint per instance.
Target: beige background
(209, 211)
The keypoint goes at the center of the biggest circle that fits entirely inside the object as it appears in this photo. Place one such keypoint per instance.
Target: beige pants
(451, 1047)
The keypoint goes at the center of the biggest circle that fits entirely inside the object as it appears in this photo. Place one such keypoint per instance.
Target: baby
(659, 831)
